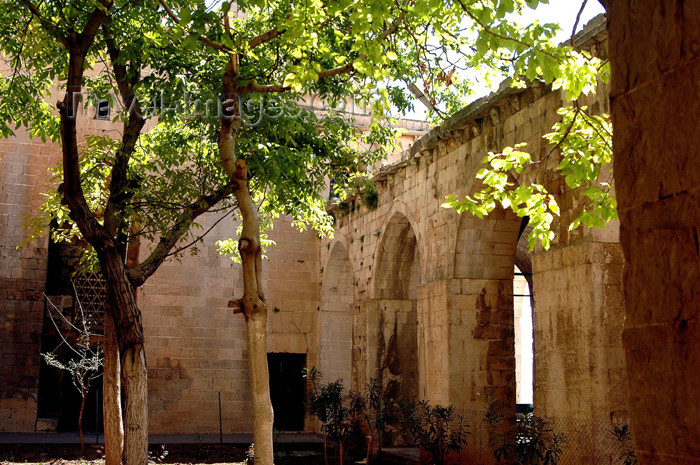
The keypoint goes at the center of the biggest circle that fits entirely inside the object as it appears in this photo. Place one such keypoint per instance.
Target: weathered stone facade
(433, 290)
(195, 346)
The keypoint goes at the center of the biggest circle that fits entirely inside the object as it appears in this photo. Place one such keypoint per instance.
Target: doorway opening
(287, 390)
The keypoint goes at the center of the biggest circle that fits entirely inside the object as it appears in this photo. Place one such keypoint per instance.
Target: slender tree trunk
(135, 378)
(111, 396)
(260, 388)
(80, 423)
(252, 304)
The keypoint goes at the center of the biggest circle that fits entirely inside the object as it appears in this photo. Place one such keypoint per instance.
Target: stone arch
(486, 248)
(481, 309)
(336, 315)
(397, 272)
(396, 221)
(393, 319)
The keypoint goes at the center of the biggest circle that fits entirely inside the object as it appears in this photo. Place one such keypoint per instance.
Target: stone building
(408, 292)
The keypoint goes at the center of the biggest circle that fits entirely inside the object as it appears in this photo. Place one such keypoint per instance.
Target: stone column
(392, 354)
(655, 103)
(580, 380)
(578, 320)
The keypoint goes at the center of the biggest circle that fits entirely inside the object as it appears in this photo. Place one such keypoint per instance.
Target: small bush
(437, 430)
(625, 446)
(535, 441)
(370, 196)
(340, 416)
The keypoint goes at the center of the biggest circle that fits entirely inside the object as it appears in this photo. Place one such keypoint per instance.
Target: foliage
(582, 145)
(173, 165)
(339, 412)
(531, 442)
(531, 200)
(370, 196)
(342, 53)
(437, 430)
(158, 457)
(585, 150)
(250, 454)
(370, 406)
(625, 446)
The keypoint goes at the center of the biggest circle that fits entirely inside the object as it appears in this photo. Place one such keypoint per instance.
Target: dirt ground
(55, 454)
(70, 455)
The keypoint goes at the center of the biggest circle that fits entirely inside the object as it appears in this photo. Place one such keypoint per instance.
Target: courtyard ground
(64, 454)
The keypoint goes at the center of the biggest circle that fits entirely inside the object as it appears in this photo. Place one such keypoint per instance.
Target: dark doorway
(287, 390)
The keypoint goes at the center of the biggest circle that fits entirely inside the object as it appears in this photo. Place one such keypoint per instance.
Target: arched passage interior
(523, 316)
(393, 322)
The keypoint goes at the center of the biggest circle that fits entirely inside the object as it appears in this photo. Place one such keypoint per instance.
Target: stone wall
(22, 276)
(196, 346)
(24, 176)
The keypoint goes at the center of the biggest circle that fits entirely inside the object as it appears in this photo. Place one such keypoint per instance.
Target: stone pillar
(470, 352)
(580, 380)
(578, 320)
(466, 343)
(433, 342)
(655, 103)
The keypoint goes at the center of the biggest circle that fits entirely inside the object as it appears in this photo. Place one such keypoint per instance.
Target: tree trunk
(260, 388)
(80, 423)
(135, 378)
(121, 303)
(111, 396)
(252, 304)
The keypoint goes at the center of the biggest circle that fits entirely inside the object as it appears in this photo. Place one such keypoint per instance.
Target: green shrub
(437, 430)
(531, 442)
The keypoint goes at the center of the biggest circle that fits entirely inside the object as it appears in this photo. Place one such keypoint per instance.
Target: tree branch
(578, 18)
(202, 39)
(339, 70)
(495, 34)
(380, 38)
(98, 16)
(132, 132)
(265, 37)
(199, 237)
(140, 273)
(45, 22)
(71, 188)
(252, 86)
